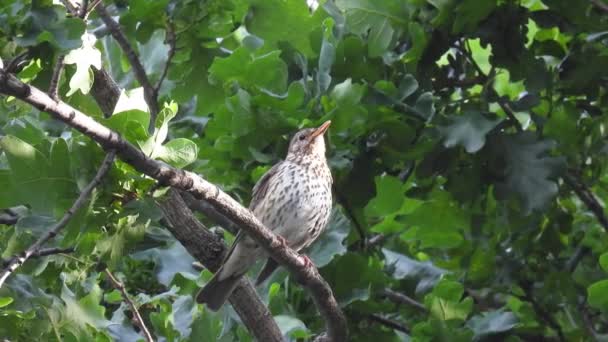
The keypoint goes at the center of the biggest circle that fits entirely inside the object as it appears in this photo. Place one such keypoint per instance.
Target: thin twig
(42, 253)
(92, 7)
(501, 102)
(391, 323)
(401, 298)
(588, 198)
(541, 312)
(34, 248)
(136, 316)
(138, 69)
(56, 78)
(591, 202)
(171, 42)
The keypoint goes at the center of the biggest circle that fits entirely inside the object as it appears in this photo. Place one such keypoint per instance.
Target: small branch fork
(150, 91)
(200, 188)
(35, 248)
(137, 319)
(138, 68)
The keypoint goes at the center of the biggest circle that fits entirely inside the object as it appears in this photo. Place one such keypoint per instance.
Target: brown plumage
(293, 199)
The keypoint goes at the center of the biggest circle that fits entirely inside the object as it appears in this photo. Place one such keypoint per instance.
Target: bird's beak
(320, 130)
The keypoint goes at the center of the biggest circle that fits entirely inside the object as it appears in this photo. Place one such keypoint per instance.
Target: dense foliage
(468, 148)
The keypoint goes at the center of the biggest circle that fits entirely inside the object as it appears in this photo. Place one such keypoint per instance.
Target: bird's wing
(259, 191)
(261, 187)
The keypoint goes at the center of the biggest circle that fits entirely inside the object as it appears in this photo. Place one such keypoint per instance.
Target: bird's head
(309, 141)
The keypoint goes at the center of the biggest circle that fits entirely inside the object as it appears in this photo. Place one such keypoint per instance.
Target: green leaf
(30, 179)
(425, 106)
(131, 100)
(403, 267)
(597, 295)
(170, 261)
(85, 311)
(178, 152)
(379, 21)
(113, 297)
(389, 197)
(604, 261)
(527, 169)
(131, 124)
(330, 243)
(49, 24)
(4, 301)
(267, 71)
(469, 13)
(283, 21)
(468, 130)
(289, 324)
(327, 57)
(493, 322)
(444, 302)
(438, 222)
(84, 57)
(152, 147)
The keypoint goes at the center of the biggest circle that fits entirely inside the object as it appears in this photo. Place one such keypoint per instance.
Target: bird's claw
(306, 261)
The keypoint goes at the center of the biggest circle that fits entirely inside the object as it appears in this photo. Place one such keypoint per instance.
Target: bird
(293, 199)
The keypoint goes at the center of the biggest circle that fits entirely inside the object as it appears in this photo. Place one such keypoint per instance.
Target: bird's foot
(282, 242)
(306, 261)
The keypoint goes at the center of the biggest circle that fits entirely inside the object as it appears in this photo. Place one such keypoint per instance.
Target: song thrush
(293, 199)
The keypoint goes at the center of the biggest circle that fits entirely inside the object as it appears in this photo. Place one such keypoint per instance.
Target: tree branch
(150, 94)
(209, 250)
(389, 323)
(483, 77)
(309, 277)
(136, 316)
(105, 91)
(600, 5)
(209, 211)
(34, 248)
(401, 298)
(56, 77)
(42, 253)
(588, 198)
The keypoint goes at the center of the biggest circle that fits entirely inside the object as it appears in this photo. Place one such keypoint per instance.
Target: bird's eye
(302, 137)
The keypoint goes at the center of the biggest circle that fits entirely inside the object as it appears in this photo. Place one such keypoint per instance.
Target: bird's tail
(216, 291)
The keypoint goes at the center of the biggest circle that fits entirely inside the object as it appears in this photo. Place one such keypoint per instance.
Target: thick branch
(105, 91)
(33, 249)
(199, 188)
(136, 316)
(150, 94)
(209, 250)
